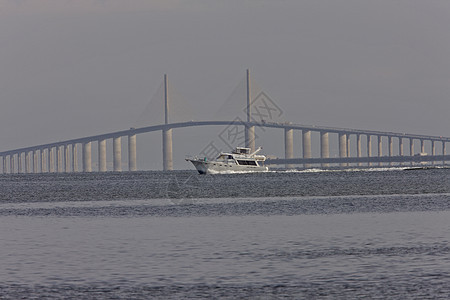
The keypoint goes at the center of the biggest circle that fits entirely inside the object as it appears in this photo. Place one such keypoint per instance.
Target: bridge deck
(132, 131)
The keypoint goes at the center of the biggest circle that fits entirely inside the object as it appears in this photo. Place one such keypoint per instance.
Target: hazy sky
(71, 68)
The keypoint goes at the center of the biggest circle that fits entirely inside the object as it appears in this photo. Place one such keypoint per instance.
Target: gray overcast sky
(70, 69)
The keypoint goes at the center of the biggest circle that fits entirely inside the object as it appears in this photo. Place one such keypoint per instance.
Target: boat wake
(319, 170)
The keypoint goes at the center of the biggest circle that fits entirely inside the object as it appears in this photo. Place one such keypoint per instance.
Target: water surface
(336, 235)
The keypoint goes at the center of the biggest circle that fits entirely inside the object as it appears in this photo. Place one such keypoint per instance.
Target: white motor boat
(239, 160)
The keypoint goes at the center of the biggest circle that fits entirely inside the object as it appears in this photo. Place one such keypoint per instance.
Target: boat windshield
(247, 162)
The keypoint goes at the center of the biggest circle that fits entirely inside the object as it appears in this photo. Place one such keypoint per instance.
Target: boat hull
(213, 167)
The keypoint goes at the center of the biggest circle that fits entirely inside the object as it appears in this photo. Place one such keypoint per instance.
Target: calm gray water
(314, 235)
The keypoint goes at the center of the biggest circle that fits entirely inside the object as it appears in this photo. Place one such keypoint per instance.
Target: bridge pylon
(167, 133)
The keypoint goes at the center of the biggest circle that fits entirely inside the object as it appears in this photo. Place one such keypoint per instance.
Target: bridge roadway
(285, 125)
(27, 159)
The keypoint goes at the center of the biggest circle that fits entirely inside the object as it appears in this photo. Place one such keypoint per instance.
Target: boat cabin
(241, 150)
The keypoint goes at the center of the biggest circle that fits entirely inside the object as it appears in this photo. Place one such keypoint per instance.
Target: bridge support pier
(400, 147)
(369, 147)
(444, 151)
(289, 145)
(433, 149)
(343, 147)
(324, 146)
(306, 145)
(5, 168)
(380, 148)
(35, 161)
(132, 163)
(11, 163)
(102, 155)
(66, 158)
(167, 150)
(87, 158)
(19, 162)
(50, 163)
(74, 157)
(58, 159)
(358, 147)
(51, 159)
(391, 147)
(24, 162)
(42, 159)
(117, 150)
(27, 162)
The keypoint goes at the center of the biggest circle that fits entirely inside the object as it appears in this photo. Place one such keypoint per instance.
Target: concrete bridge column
(2, 164)
(60, 160)
(66, 158)
(306, 145)
(422, 146)
(19, 163)
(369, 148)
(391, 148)
(349, 147)
(358, 147)
(132, 162)
(5, 165)
(11, 163)
(289, 145)
(117, 153)
(87, 157)
(35, 161)
(31, 155)
(75, 157)
(400, 147)
(444, 150)
(51, 159)
(380, 147)
(411, 150)
(433, 149)
(324, 146)
(57, 159)
(102, 156)
(27, 162)
(43, 161)
(167, 150)
(343, 147)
